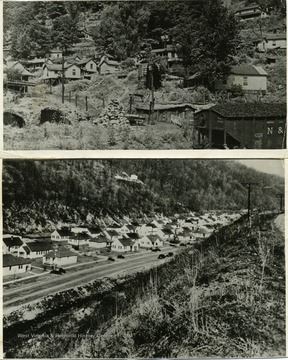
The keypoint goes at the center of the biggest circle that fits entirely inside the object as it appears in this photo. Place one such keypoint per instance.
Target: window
(74, 72)
(91, 66)
(245, 80)
(274, 43)
(10, 267)
(20, 266)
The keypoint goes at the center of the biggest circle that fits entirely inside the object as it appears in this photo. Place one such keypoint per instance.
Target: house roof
(153, 238)
(95, 230)
(100, 239)
(247, 8)
(37, 61)
(39, 245)
(281, 36)
(126, 242)
(60, 253)
(112, 233)
(85, 61)
(82, 236)
(133, 236)
(58, 67)
(248, 70)
(244, 110)
(10, 260)
(164, 106)
(151, 225)
(13, 241)
(64, 232)
(167, 231)
(109, 62)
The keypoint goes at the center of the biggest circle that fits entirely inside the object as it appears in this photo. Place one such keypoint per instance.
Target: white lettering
(269, 131)
(280, 130)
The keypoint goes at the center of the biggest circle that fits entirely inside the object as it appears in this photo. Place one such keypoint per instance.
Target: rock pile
(113, 114)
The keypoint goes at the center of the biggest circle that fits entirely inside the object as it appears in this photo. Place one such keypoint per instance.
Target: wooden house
(37, 63)
(88, 67)
(53, 72)
(250, 12)
(108, 66)
(60, 257)
(272, 41)
(13, 265)
(243, 125)
(252, 79)
(55, 54)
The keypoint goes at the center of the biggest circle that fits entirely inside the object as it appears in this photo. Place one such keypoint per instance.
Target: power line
(249, 186)
(281, 198)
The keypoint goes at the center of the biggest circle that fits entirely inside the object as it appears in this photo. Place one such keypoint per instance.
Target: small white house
(100, 242)
(55, 54)
(88, 67)
(108, 66)
(80, 229)
(124, 245)
(80, 239)
(11, 245)
(60, 257)
(13, 265)
(147, 229)
(54, 71)
(250, 78)
(272, 41)
(150, 241)
(34, 249)
(62, 234)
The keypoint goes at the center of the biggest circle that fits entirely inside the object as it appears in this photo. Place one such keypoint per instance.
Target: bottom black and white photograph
(143, 258)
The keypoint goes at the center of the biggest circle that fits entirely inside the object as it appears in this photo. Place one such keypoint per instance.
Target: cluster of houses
(50, 69)
(62, 247)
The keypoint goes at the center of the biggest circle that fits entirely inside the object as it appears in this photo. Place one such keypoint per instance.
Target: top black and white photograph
(88, 75)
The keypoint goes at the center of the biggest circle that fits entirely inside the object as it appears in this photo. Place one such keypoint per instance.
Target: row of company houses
(62, 247)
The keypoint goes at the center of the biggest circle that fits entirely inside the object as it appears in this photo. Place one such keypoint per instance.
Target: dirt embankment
(225, 298)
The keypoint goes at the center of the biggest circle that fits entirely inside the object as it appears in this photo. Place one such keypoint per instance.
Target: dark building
(242, 125)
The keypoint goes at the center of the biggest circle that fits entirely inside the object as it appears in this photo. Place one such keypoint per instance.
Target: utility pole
(249, 186)
(281, 198)
(63, 76)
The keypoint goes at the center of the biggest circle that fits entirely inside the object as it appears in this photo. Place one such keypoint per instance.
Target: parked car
(155, 249)
(170, 254)
(121, 256)
(59, 271)
(161, 256)
(182, 244)
(111, 258)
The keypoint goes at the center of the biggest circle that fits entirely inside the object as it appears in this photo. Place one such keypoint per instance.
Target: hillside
(223, 297)
(37, 195)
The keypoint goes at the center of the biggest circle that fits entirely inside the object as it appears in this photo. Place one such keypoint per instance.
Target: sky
(269, 166)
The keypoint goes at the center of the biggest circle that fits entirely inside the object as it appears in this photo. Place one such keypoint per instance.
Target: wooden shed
(167, 112)
(242, 125)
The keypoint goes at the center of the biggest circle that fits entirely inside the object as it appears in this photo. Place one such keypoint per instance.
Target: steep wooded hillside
(39, 194)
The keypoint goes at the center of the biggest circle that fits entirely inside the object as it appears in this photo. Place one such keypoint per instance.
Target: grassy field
(87, 136)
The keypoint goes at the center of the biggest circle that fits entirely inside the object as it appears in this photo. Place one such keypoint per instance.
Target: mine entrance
(13, 119)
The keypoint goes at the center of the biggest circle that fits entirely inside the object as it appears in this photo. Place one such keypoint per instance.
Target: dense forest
(38, 193)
